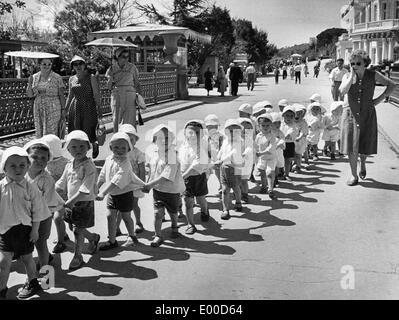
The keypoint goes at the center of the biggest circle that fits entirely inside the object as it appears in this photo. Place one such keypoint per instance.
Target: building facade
(373, 25)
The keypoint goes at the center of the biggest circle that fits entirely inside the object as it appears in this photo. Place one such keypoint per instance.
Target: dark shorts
(45, 229)
(16, 240)
(170, 201)
(121, 202)
(82, 215)
(289, 151)
(196, 186)
(228, 177)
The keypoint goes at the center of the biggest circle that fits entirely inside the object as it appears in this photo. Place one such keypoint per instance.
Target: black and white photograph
(205, 152)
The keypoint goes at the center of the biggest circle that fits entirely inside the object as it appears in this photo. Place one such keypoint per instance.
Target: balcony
(376, 25)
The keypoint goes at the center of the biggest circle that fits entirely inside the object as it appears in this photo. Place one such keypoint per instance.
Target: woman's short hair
(362, 55)
(119, 52)
(40, 60)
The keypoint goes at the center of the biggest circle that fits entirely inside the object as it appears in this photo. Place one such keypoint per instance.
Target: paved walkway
(301, 246)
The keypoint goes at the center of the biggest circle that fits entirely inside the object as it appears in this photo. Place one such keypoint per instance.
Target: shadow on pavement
(371, 183)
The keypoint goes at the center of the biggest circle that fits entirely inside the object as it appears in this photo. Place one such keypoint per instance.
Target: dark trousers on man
(298, 77)
(234, 87)
(335, 91)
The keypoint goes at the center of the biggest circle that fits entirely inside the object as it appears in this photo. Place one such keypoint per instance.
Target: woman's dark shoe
(362, 174)
(353, 182)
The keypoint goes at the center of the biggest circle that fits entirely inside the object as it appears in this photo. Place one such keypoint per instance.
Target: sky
(287, 22)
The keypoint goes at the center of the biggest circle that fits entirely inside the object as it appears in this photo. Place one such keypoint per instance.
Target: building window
(375, 12)
(384, 15)
(397, 10)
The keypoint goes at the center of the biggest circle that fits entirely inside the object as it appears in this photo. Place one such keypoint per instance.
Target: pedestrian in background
(221, 81)
(284, 71)
(298, 70)
(208, 76)
(228, 77)
(359, 119)
(123, 80)
(251, 75)
(49, 106)
(84, 102)
(276, 74)
(236, 77)
(335, 77)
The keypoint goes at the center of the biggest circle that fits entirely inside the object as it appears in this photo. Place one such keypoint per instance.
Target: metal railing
(16, 109)
(381, 24)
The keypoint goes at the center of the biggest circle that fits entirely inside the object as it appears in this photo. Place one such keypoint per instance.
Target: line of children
(232, 155)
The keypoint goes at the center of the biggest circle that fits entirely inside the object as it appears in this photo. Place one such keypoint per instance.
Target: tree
(81, 17)
(7, 7)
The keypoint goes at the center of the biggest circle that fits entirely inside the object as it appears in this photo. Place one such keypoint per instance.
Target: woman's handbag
(140, 120)
(100, 133)
(140, 102)
(61, 129)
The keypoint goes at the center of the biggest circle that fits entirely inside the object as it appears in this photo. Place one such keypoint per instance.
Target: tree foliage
(8, 7)
(81, 17)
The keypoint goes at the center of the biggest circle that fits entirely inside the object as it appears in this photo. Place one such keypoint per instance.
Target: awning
(150, 30)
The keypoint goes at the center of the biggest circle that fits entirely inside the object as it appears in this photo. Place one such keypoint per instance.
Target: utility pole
(120, 14)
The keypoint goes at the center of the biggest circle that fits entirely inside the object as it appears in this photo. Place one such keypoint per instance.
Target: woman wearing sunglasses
(84, 102)
(123, 81)
(49, 106)
(359, 119)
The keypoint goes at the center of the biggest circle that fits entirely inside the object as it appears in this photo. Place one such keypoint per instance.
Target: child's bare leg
(30, 266)
(5, 266)
(79, 240)
(88, 235)
(137, 211)
(189, 208)
(201, 200)
(118, 220)
(217, 174)
(41, 243)
(112, 224)
(174, 217)
(270, 174)
(263, 178)
(244, 187)
(226, 198)
(129, 223)
(158, 216)
(298, 160)
(60, 224)
(237, 194)
(333, 148)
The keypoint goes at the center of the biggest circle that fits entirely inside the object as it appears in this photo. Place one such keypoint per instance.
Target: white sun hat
(77, 135)
(121, 136)
(315, 97)
(12, 151)
(211, 120)
(245, 108)
(40, 142)
(129, 129)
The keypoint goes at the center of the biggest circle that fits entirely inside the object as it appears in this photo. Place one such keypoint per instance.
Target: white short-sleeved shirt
(231, 153)
(290, 131)
(171, 171)
(120, 173)
(136, 157)
(82, 178)
(46, 185)
(266, 142)
(188, 157)
(20, 203)
(337, 75)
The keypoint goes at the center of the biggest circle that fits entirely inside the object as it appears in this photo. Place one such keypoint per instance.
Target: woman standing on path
(208, 75)
(359, 118)
(222, 81)
(49, 107)
(84, 102)
(123, 80)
